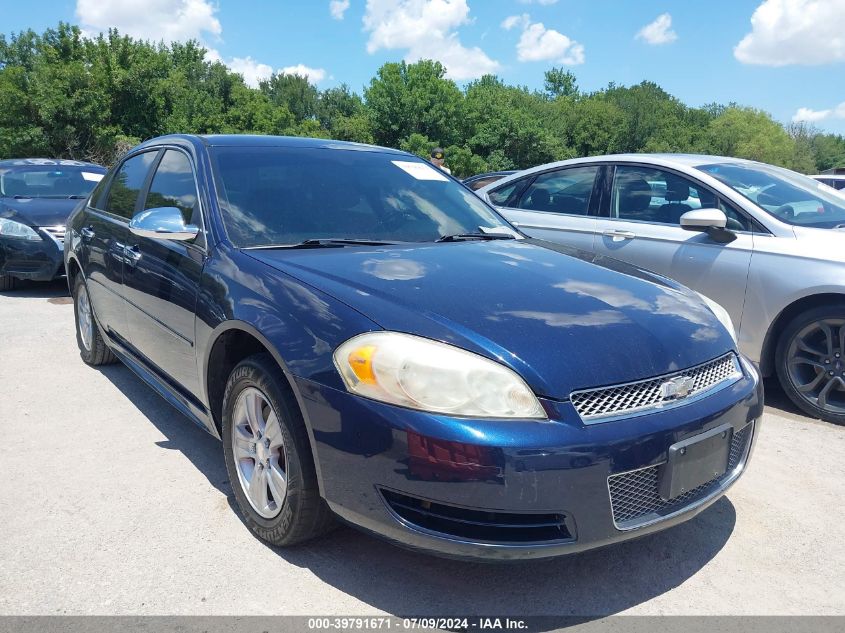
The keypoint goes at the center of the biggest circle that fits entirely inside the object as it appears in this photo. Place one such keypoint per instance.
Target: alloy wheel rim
(816, 364)
(84, 318)
(259, 453)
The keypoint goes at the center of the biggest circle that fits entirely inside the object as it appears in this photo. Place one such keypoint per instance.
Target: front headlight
(10, 228)
(419, 373)
(721, 314)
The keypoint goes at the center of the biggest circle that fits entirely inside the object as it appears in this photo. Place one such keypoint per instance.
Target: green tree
(413, 98)
(294, 92)
(560, 83)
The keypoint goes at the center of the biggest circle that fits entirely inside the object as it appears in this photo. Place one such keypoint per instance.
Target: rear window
(50, 181)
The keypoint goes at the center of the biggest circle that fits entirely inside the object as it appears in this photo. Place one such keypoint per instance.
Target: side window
(736, 220)
(563, 191)
(127, 183)
(501, 196)
(654, 195)
(98, 198)
(174, 186)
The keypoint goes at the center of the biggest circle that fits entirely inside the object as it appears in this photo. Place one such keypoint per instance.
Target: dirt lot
(112, 503)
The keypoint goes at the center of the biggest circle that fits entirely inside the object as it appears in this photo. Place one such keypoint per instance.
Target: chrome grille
(56, 232)
(621, 400)
(635, 498)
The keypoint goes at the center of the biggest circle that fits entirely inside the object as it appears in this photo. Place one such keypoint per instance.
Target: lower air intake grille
(478, 525)
(634, 495)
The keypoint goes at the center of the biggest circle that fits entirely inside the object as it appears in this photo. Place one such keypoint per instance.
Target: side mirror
(703, 219)
(710, 221)
(163, 223)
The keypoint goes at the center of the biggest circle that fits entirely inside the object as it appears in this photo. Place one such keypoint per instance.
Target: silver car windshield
(787, 195)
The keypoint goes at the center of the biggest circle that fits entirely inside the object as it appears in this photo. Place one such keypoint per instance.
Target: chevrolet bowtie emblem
(678, 387)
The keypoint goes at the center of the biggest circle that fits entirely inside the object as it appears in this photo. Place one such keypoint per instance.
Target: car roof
(260, 140)
(829, 176)
(38, 162)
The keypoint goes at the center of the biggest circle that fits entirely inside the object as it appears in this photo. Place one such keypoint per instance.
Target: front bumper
(36, 261)
(505, 483)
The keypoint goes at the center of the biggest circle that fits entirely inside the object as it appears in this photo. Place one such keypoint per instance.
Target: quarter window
(127, 183)
(563, 191)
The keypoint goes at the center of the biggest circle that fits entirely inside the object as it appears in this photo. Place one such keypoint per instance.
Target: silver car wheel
(85, 319)
(816, 364)
(259, 452)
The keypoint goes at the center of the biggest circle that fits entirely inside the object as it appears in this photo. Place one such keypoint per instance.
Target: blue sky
(783, 56)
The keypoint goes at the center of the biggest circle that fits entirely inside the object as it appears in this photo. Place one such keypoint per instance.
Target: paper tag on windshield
(420, 171)
(90, 175)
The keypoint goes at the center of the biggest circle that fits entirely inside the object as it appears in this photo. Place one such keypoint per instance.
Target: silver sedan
(765, 242)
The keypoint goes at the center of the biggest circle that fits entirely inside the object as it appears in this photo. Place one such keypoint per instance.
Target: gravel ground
(111, 502)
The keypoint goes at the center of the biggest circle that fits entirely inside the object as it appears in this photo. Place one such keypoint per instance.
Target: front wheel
(810, 360)
(268, 456)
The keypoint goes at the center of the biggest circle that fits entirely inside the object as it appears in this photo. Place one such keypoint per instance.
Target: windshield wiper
(75, 197)
(18, 196)
(334, 242)
(460, 237)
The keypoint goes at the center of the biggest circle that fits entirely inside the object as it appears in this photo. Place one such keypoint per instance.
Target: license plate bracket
(695, 461)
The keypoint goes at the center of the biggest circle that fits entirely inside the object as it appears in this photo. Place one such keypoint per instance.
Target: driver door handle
(618, 236)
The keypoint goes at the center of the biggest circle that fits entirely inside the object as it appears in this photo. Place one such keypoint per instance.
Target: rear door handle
(86, 232)
(618, 236)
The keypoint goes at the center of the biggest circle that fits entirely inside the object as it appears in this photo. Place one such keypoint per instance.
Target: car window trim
(142, 197)
(605, 211)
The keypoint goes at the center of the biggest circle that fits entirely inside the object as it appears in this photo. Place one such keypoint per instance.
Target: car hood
(38, 211)
(561, 318)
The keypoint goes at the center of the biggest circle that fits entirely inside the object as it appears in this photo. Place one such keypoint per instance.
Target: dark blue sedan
(36, 197)
(373, 342)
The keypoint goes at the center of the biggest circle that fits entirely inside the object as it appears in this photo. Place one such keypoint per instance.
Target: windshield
(49, 181)
(787, 195)
(286, 195)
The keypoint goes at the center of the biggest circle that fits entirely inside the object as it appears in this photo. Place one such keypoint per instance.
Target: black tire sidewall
(254, 372)
(87, 355)
(784, 341)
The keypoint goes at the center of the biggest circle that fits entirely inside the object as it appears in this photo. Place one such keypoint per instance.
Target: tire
(92, 347)
(7, 282)
(281, 515)
(810, 362)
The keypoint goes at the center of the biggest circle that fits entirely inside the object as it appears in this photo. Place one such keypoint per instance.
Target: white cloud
(315, 75)
(812, 116)
(157, 20)
(178, 21)
(785, 32)
(516, 20)
(252, 71)
(427, 29)
(537, 43)
(658, 32)
(337, 8)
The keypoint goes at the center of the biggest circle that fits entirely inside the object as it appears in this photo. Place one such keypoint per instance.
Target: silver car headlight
(721, 314)
(10, 228)
(419, 373)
